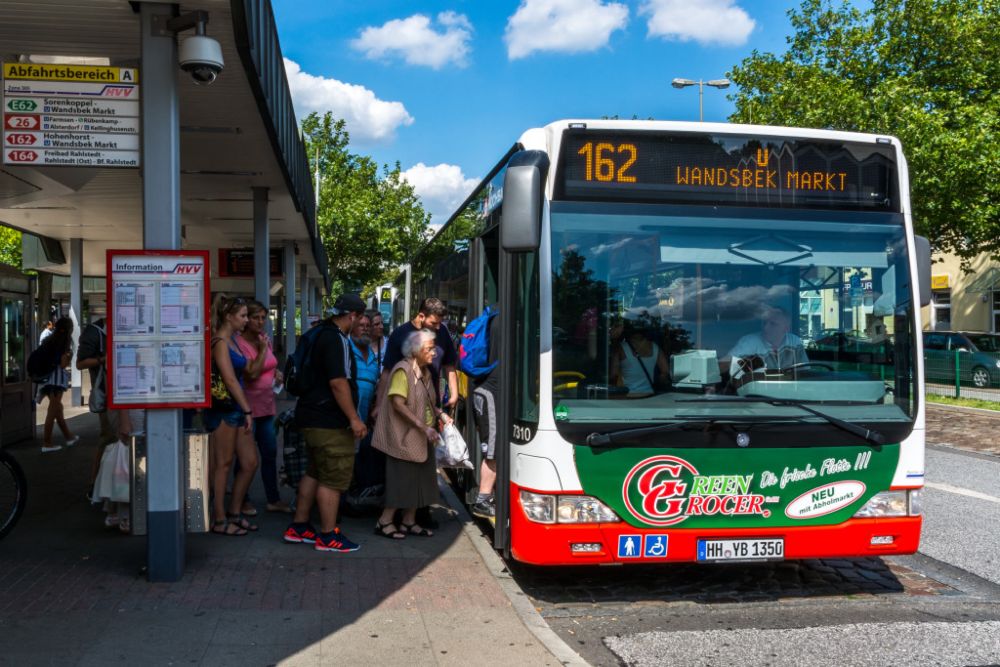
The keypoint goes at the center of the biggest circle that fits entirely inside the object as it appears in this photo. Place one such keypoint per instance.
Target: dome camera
(201, 57)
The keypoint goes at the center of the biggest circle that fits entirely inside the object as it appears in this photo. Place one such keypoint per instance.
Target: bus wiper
(874, 437)
(689, 422)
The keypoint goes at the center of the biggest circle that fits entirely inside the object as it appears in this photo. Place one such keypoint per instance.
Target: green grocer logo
(665, 490)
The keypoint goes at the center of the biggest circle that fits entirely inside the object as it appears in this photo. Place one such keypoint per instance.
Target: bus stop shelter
(218, 167)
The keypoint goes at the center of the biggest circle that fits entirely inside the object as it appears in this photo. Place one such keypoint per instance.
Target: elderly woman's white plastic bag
(451, 450)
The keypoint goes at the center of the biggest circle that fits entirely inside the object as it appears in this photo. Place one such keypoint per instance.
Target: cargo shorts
(331, 456)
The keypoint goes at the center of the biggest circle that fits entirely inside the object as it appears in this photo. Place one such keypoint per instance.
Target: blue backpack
(474, 350)
(297, 376)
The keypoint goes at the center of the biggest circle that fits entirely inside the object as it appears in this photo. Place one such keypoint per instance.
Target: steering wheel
(806, 364)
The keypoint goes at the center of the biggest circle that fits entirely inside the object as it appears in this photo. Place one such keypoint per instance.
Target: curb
(522, 606)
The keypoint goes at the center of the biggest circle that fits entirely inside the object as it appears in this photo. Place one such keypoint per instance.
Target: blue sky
(445, 87)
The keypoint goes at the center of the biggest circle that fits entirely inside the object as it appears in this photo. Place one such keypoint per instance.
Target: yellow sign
(79, 73)
(940, 282)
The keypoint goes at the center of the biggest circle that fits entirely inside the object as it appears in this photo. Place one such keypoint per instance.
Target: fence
(963, 374)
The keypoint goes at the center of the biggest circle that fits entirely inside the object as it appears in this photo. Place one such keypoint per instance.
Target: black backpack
(42, 361)
(298, 378)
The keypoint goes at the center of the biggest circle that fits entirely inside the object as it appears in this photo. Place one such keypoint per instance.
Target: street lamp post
(715, 83)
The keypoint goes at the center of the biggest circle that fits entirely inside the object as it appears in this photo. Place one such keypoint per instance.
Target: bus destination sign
(726, 170)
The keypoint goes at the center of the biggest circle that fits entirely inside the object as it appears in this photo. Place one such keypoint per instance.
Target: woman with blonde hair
(230, 418)
(405, 431)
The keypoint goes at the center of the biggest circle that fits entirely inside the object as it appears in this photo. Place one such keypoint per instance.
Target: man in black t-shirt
(484, 407)
(327, 417)
(445, 361)
(91, 354)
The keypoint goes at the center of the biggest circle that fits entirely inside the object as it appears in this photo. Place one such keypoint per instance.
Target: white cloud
(568, 26)
(720, 22)
(441, 188)
(416, 41)
(368, 118)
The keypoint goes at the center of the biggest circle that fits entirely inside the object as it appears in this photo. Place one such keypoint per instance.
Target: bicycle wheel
(13, 492)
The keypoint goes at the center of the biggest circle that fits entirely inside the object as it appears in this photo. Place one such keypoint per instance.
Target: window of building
(996, 310)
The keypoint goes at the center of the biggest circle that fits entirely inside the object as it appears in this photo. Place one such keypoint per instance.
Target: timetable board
(158, 328)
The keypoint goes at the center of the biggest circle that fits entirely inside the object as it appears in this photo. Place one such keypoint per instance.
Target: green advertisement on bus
(736, 488)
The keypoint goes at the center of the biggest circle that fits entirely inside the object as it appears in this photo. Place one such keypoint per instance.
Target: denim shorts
(213, 419)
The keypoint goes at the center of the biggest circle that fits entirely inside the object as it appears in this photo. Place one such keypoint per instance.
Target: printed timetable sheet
(158, 335)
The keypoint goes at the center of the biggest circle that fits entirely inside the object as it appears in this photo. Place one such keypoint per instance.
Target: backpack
(98, 399)
(41, 362)
(297, 377)
(474, 350)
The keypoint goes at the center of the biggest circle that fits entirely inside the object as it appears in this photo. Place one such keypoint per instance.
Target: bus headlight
(887, 503)
(539, 507)
(584, 509)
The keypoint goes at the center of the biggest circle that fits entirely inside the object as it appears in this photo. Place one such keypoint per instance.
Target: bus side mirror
(521, 215)
(922, 250)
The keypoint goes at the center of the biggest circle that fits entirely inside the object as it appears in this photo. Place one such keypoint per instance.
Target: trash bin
(196, 506)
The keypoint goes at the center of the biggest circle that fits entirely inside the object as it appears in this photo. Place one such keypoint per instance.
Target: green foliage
(963, 402)
(10, 247)
(370, 220)
(925, 71)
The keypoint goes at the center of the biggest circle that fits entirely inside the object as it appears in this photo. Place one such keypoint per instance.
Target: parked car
(975, 365)
(986, 342)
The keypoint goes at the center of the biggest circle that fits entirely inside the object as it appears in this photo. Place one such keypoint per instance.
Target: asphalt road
(938, 607)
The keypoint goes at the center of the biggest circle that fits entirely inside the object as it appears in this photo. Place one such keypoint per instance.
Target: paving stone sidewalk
(73, 592)
(971, 430)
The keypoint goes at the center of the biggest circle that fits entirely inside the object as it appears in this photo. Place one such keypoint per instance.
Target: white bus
(709, 346)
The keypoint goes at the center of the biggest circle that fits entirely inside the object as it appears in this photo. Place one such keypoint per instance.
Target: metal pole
(290, 269)
(76, 313)
(161, 230)
(701, 101)
(304, 290)
(262, 253)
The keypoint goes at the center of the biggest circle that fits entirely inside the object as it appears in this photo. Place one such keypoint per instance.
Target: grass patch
(963, 402)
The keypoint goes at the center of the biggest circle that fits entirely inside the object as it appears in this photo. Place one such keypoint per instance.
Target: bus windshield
(659, 313)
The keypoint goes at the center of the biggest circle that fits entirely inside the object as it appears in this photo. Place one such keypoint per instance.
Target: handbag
(222, 400)
(114, 476)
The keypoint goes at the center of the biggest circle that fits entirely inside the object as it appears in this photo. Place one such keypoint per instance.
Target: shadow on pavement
(73, 592)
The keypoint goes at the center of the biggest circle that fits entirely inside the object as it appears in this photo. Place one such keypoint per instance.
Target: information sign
(70, 115)
(158, 331)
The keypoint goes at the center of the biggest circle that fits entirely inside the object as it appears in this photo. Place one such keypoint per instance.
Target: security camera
(201, 57)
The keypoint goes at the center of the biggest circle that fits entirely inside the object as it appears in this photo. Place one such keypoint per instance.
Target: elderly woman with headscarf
(405, 431)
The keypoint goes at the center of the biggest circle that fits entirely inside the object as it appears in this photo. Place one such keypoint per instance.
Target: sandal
(281, 507)
(248, 510)
(242, 522)
(416, 529)
(393, 534)
(225, 525)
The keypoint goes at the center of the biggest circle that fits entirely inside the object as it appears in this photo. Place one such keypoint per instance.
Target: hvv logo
(187, 268)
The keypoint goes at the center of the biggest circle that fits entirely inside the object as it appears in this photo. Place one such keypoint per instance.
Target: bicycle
(13, 492)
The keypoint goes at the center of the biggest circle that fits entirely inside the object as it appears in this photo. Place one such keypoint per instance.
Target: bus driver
(774, 348)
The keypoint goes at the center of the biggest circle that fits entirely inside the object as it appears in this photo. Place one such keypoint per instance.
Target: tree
(10, 247)
(925, 71)
(370, 220)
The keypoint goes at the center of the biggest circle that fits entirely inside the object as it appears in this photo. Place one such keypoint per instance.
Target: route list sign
(158, 331)
(70, 115)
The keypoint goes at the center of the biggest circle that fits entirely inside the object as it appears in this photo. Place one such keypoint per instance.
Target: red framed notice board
(158, 329)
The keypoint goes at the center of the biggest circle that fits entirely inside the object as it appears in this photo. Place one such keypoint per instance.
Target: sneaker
(484, 509)
(72, 441)
(335, 541)
(299, 533)
(51, 448)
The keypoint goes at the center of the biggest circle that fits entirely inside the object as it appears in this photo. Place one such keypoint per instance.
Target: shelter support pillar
(304, 291)
(76, 313)
(161, 230)
(290, 269)
(262, 252)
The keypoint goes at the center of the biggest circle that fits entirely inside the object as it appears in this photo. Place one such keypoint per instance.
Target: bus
(666, 292)
(386, 299)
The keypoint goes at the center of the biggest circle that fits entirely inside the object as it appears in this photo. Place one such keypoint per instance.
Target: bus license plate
(741, 550)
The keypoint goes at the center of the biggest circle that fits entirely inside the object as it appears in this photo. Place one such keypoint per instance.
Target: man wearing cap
(327, 417)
